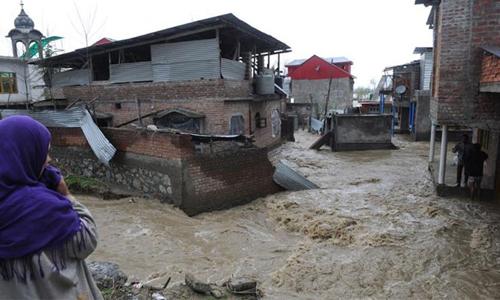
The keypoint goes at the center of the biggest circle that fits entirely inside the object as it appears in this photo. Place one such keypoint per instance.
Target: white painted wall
(32, 76)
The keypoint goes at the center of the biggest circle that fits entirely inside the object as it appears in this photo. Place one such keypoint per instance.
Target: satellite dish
(400, 89)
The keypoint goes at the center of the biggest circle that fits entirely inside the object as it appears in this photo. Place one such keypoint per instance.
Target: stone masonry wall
(145, 162)
(165, 166)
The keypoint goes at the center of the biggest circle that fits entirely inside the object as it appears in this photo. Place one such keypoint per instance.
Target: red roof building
(320, 68)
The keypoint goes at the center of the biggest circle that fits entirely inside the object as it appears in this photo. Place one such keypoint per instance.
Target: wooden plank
(323, 140)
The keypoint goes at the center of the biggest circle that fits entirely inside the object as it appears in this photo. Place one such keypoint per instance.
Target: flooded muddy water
(374, 229)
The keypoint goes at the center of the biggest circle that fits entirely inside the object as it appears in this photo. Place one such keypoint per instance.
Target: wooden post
(326, 102)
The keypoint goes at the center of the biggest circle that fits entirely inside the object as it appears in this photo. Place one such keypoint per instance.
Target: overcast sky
(373, 34)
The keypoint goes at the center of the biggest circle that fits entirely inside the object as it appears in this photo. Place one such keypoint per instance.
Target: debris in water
(290, 179)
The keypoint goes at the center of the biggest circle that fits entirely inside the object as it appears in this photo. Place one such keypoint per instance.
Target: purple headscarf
(32, 217)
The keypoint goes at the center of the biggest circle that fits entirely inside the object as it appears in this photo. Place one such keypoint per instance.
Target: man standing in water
(474, 168)
(461, 149)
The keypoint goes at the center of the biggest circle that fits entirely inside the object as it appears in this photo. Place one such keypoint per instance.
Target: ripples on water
(374, 229)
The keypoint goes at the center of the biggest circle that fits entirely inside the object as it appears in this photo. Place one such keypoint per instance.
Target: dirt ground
(374, 229)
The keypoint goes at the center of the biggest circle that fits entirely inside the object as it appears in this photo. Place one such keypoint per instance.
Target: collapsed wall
(169, 167)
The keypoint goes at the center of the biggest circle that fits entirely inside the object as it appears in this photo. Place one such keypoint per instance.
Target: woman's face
(47, 161)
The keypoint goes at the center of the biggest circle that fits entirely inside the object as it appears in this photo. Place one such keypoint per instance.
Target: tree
(363, 93)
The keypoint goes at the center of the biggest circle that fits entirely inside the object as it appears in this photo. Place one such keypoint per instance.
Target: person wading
(462, 149)
(474, 167)
(45, 233)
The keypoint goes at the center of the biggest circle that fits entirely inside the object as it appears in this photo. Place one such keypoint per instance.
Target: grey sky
(373, 34)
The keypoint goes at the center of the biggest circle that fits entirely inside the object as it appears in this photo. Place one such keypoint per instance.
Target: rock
(162, 189)
(241, 284)
(107, 274)
(196, 285)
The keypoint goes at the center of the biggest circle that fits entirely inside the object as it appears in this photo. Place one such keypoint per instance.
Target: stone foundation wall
(154, 177)
(165, 166)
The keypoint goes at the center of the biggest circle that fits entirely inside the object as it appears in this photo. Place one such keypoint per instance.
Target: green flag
(33, 50)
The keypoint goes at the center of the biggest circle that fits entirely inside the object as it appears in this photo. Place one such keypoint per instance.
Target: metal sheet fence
(131, 72)
(72, 77)
(191, 60)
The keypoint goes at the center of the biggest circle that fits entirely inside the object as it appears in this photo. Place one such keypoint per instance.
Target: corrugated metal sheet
(291, 180)
(189, 60)
(76, 117)
(190, 70)
(426, 71)
(169, 53)
(72, 77)
(232, 69)
(131, 72)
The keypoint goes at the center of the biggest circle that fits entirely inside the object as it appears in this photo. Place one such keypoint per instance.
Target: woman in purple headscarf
(45, 234)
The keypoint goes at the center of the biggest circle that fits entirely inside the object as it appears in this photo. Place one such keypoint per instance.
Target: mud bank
(374, 229)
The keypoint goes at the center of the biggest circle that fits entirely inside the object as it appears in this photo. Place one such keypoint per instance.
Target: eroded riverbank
(374, 229)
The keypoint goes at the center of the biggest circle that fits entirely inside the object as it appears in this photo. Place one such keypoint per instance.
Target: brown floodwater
(375, 229)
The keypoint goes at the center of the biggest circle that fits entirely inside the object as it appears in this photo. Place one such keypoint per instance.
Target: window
(237, 125)
(8, 83)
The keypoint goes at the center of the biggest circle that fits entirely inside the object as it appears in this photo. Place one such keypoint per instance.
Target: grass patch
(82, 183)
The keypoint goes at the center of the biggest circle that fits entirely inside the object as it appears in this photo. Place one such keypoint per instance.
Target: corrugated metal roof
(76, 117)
(263, 41)
(332, 60)
(492, 49)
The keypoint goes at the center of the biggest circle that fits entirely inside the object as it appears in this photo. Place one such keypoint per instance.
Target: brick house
(208, 76)
(405, 81)
(310, 79)
(464, 89)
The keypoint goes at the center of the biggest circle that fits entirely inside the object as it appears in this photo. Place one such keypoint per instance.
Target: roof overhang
(427, 2)
(261, 42)
(422, 50)
(492, 50)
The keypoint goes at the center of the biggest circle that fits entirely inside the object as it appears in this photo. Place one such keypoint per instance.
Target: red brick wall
(490, 70)
(68, 137)
(463, 27)
(220, 181)
(212, 88)
(154, 144)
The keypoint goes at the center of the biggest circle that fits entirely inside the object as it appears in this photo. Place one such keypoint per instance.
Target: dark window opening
(179, 121)
(100, 67)
(104, 120)
(131, 55)
(118, 105)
